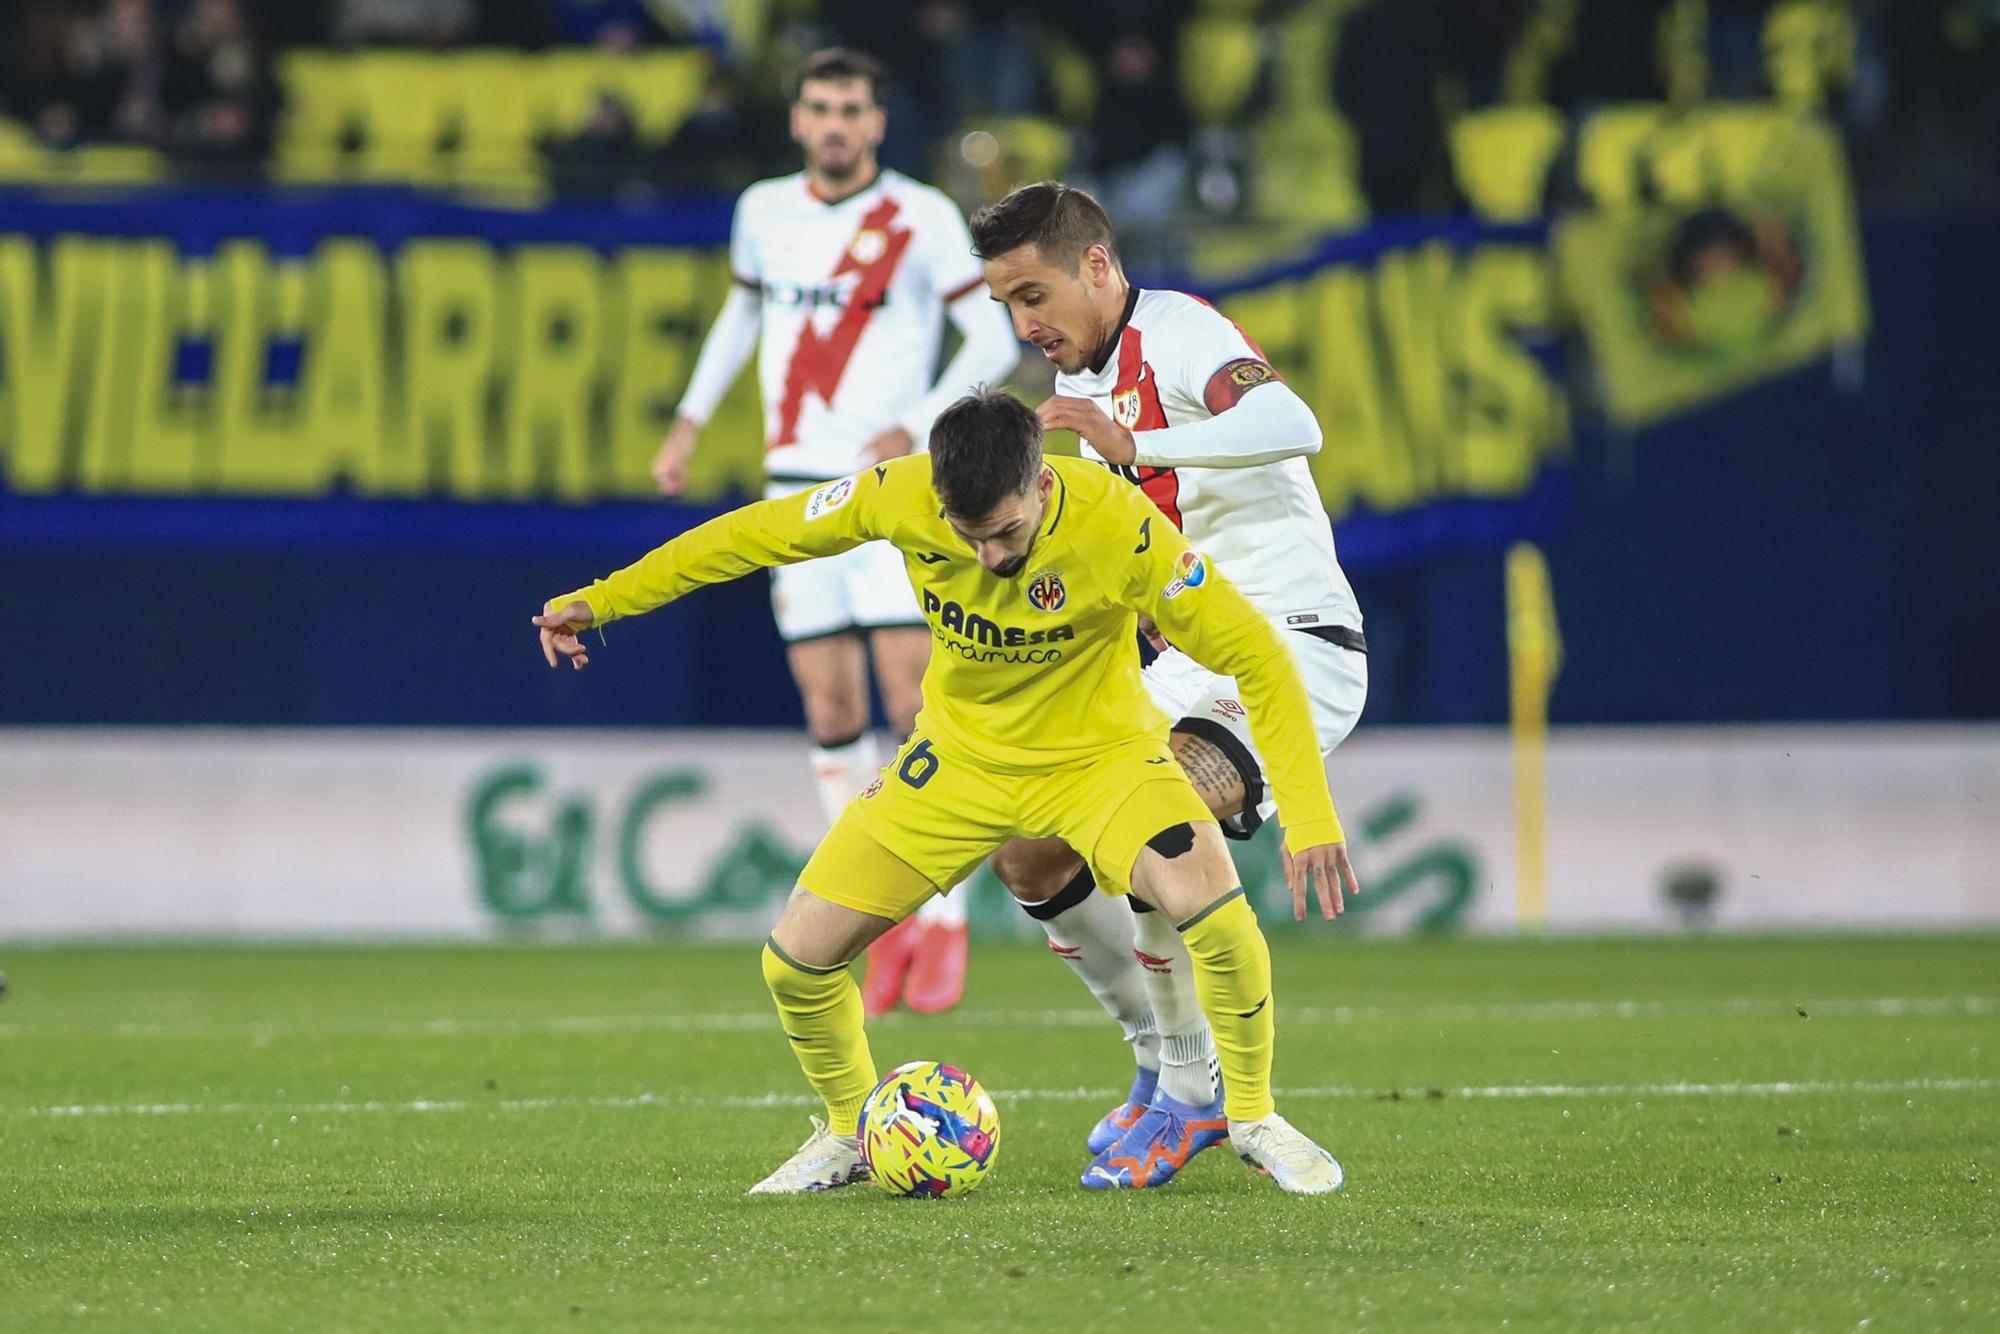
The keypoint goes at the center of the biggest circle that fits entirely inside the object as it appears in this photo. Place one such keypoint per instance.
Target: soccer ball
(928, 1131)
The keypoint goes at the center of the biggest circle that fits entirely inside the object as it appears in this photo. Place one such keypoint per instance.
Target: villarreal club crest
(929, 1131)
(1046, 591)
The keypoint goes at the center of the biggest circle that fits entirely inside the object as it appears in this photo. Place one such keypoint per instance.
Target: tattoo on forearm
(1212, 774)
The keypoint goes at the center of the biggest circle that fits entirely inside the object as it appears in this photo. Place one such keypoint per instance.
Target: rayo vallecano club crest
(1125, 408)
(1046, 591)
(869, 245)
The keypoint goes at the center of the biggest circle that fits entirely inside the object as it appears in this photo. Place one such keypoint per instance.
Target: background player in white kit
(844, 274)
(1171, 393)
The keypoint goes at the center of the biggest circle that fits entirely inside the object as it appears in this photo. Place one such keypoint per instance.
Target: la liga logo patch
(1046, 591)
(830, 497)
(1193, 574)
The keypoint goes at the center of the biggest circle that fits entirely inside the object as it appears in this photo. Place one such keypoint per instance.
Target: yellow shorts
(939, 817)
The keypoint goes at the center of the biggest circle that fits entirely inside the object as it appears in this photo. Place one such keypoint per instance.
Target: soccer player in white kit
(844, 275)
(1169, 392)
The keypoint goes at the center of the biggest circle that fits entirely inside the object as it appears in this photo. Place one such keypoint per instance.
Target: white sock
(945, 909)
(842, 771)
(1187, 1050)
(1093, 935)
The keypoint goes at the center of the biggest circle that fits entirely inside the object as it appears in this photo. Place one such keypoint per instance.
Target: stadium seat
(491, 122)
(323, 108)
(1501, 158)
(1808, 51)
(1611, 148)
(1305, 171)
(1032, 148)
(20, 153)
(107, 164)
(1742, 138)
(403, 96)
(474, 117)
(1220, 56)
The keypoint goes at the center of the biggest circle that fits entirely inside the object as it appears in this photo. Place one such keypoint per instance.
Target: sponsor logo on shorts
(1302, 620)
(1230, 708)
(830, 498)
(1046, 591)
(1193, 574)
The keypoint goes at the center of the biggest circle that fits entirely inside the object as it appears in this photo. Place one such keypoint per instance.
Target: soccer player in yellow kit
(1032, 573)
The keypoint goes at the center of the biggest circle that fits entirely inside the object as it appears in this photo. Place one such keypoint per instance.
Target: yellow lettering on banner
(344, 381)
(451, 317)
(1512, 411)
(47, 324)
(262, 452)
(559, 339)
(1366, 456)
(104, 462)
(1413, 288)
(166, 422)
(651, 294)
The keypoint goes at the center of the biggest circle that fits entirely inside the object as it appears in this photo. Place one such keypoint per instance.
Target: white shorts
(863, 589)
(1202, 704)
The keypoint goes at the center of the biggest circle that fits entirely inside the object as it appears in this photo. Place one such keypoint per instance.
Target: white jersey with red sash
(1175, 359)
(853, 303)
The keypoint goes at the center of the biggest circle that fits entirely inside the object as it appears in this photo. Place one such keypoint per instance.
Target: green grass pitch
(1686, 1134)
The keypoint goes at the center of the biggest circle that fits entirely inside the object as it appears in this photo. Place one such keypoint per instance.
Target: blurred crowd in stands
(1164, 105)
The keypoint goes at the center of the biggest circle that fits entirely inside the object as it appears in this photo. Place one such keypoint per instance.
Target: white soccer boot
(1276, 1148)
(826, 1161)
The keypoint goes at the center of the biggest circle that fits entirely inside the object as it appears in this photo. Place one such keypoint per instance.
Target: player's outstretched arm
(560, 626)
(1201, 612)
(822, 522)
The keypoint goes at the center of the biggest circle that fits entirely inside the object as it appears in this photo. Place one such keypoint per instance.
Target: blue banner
(359, 369)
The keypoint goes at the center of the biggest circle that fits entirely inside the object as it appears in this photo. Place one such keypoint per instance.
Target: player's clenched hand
(559, 627)
(1326, 870)
(670, 465)
(1112, 442)
(891, 444)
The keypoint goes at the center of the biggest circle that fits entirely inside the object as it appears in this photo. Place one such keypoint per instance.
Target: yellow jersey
(1039, 670)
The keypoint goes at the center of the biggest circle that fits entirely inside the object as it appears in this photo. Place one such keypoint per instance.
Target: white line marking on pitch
(1873, 1007)
(1761, 1089)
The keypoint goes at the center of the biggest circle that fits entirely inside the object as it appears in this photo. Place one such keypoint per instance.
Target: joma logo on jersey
(971, 625)
(1046, 591)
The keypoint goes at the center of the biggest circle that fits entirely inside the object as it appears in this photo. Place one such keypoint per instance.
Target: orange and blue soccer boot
(1158, 1145)
(1125, 1115)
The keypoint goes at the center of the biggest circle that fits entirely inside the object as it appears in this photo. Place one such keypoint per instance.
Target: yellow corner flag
(1534, 656)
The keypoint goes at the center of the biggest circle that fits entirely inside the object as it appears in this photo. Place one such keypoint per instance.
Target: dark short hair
(984, 448)
(1060, 221)
(838, 64)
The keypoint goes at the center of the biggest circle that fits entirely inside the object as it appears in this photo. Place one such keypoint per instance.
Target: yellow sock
(1232, 976)
(820, 1011)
